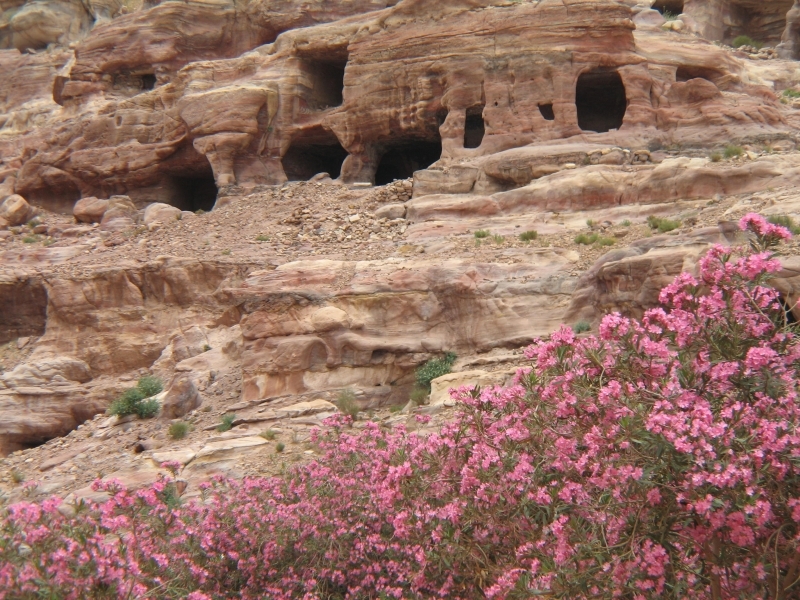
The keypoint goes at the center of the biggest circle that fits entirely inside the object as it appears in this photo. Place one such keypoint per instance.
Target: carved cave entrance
(23, 309)
(313, 152)
(474, 127)
(194, 192)
(547, 112)
(762, 22)
(326, 78)
(673, 7)
(401, 159)
(601, 101)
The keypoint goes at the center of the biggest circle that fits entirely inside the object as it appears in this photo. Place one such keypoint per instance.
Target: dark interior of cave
(601, 101)
(194, 192)
(474, 127)
(401, 159)
(327, 81)
(316, 150)
(673, 7)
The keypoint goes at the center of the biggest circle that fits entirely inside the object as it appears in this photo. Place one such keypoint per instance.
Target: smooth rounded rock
(15, 210)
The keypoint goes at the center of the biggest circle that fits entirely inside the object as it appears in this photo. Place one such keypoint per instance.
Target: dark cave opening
(474, 127)
(194, 192)
(148, 81)
(23, 309)
(672, 7)
(547, 112)
(601, 101)
(327, 83)
(401, 159)
(315, 151)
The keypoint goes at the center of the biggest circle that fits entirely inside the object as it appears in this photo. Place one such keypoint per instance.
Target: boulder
(441, 386)
(160, 212)
(391, 211)
(120, 215)
(15, 210)
(181, 398)
(90, 210)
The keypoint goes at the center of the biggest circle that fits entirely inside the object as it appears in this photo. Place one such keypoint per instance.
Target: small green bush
(661, 224)
(418, 395)
(347, 405)
(126, 404)
(605, 241)
(206, 347)
(590, 222)
(436, 367)
(17, 476)
(199, 211)
(498, 239)
(715, 157)
(586, 239)
(670, 16)
(147, 409)
(268, 434)
(262, 238)
(528, 236)
(481, 233)
(280, 447)
(785, 221)
(178, 431)
(226, 252)
(626, 223)
(581, 327)
(732, 151)
(150, 385)
(790, 93)
(226, 423)
(744, 40)
(30, 239)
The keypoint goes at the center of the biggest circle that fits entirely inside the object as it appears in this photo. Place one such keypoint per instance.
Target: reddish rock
(181, 398)
(90, 210)
(15, 210)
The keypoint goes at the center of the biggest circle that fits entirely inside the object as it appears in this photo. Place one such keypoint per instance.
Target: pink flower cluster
(660, 458)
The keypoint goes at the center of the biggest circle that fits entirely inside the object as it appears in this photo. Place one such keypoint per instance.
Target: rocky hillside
(276, 206)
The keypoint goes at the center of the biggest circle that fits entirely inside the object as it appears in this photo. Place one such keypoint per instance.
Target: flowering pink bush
(658, 459)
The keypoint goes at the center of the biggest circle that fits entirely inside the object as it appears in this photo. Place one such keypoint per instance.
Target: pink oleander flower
(659, 459)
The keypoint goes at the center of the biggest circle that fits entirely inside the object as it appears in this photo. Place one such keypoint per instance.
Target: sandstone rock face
(189, 114)
(382, 320)
(181, 398)
(90, 210)
(15, 210)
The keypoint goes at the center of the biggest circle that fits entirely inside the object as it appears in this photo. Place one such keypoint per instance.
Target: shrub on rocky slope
(658, 459)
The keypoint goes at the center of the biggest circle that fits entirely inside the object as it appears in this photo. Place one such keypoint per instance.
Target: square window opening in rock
(326, 83)
(401, 159)
(474, 127)
(148, 81)
(547, 112)
(601, 101)
(23, 309)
